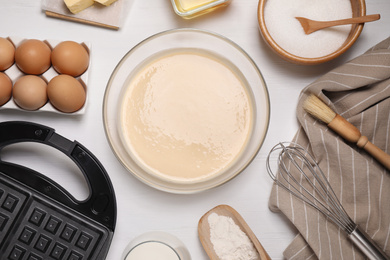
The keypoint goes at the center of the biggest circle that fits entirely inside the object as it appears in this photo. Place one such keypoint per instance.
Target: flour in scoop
(287, 32)
(229, 241)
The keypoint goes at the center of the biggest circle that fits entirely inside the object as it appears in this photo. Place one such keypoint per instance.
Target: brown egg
(33, 57)
(66, 93)
(7, 54)
(70, 58)
(5, 88)
(30, 92)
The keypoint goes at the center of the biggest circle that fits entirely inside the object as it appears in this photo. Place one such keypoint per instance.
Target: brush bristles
(314, 106)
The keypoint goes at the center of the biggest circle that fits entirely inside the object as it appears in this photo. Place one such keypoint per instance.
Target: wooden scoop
(310, 26)
(225, 210)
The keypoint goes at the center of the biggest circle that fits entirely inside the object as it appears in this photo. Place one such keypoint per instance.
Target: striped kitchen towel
(360, 92)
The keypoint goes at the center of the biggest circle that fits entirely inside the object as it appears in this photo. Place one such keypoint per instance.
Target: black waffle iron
(39, 219)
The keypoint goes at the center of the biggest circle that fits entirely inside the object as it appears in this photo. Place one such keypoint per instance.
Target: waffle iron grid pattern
(31, 228)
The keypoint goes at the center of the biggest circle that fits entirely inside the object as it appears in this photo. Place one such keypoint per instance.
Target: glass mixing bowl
(186, 39)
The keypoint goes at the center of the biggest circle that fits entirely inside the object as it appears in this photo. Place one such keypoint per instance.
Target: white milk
(151, 251)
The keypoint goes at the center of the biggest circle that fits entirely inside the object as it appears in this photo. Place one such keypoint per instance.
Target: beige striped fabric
(360, 92)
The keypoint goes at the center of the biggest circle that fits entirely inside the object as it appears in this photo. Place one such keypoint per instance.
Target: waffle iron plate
(39, 219)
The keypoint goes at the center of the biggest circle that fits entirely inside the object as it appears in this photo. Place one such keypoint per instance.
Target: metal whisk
(300, 175)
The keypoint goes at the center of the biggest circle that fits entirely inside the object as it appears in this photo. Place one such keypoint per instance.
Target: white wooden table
(142, 208)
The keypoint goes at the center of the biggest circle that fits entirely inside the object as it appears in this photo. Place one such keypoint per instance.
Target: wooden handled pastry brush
(314, 106)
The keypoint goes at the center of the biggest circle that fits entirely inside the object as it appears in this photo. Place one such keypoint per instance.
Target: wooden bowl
(358, 9)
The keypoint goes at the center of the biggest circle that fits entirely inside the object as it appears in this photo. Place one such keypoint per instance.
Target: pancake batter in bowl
(185, 116)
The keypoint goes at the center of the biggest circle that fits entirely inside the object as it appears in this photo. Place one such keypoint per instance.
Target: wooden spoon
(310, 26)
(225, 210)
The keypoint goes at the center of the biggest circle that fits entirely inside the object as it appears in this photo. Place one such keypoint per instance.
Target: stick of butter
(105, 2)
(76, 6)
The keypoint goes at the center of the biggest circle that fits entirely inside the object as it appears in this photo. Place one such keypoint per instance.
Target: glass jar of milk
(156, 245)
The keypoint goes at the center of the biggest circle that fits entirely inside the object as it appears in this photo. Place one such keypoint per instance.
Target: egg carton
(14, 73)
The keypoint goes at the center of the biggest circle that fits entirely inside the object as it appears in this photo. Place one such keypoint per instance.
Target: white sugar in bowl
(284, 34)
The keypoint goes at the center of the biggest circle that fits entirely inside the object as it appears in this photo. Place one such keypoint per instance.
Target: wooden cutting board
(98, 15)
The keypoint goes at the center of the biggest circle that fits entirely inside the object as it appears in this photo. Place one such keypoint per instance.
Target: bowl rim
(354, 35)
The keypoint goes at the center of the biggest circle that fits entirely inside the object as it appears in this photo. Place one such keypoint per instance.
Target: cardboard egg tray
(14, 73)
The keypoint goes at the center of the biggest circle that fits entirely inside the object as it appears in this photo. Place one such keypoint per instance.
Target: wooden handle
(376, 152)
(350, 133)
(310, 26)
(345, 129)
(359, 19)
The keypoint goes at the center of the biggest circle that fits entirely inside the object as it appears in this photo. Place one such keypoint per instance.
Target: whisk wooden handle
(350, 133)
